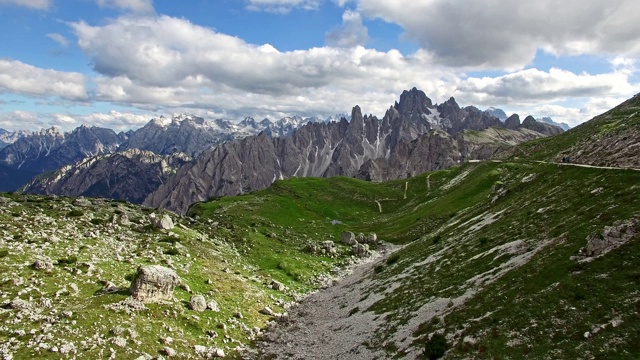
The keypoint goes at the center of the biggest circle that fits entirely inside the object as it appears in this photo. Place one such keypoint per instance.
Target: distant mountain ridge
(414, 136)
(50, 149)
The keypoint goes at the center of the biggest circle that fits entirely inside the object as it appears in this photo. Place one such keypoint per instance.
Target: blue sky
(118, 63)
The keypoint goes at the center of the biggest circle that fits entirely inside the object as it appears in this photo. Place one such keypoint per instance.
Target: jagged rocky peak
(532, 124)
(512, 122)
(413, 103)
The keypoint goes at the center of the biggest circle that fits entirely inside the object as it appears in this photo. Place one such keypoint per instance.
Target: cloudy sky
(118, 63)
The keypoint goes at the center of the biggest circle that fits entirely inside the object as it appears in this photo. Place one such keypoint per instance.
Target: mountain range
(520, 257)
(229, 158)
(26, 154)
(414, 136)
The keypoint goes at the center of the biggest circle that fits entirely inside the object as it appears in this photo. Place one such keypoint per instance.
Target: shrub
(172, 251)
(378, 269)
(483, 240)
(4, 253)
(97, 221)
(437, 238)
(75, 213)
(169, 239)
(393, 259)
(68, 261)
(436, 347)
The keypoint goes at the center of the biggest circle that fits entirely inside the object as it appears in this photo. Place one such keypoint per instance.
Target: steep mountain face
(401, 144)
(193, 135)
(50, 149)
(438, 150)
(184, 133)
(128, 175)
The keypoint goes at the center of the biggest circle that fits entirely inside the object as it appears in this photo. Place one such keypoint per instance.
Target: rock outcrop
(601, 242)
(154, 283)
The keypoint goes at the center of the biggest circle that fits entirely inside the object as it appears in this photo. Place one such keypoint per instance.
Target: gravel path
(325, 325)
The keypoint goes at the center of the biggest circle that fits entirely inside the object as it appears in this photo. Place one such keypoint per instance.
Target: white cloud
(61, 40)
(20, 78)
(33, 4)
(172, 62)
(535, 86)
(350, 33)
(136, 6)
(282, 6)
(506, 34)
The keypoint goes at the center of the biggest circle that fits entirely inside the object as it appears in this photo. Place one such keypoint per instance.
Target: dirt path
(325, 325)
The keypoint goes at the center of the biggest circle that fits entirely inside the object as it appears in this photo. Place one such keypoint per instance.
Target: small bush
(75, 213)
(130, 276)
(378, 269)
(172, 251)
(4, 253)
(436, 347)
(68, 261)
(354, 310)
(169, 239)
(484, 240)
(437, 238)
(393, 259)
(97, 221)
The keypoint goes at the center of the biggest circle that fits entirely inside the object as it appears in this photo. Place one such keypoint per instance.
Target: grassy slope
(540, 308)
(28, 223)
(618, 122)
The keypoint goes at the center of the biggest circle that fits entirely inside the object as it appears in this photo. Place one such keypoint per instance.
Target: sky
(119, 63)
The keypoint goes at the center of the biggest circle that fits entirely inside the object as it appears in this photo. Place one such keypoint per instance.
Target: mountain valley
(468, 240)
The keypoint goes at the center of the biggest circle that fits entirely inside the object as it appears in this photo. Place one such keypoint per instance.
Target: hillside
(610, 139)
(478, 235)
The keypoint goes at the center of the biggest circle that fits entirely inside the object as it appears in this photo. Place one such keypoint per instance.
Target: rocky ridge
(413, 137)
(127, 175)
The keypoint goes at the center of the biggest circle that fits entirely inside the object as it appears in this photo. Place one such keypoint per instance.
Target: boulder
(43, 264)
(276, 285)
(372, 238)
(154, 283)
(348, 238)
(163, 223)
(361, 250)
(213, 306)
(169, 352)
(198, 303)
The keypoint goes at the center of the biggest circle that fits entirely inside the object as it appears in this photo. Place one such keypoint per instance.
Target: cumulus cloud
(350, 33)
(20, 78)
(61, 40)
(506, 34)
(33, 4)
(136, 6)
(533, 86)
(173, 62)
(282, 6)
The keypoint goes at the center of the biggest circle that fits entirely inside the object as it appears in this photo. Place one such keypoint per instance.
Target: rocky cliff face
(413, 137)
(129, 175)
(181, 134)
